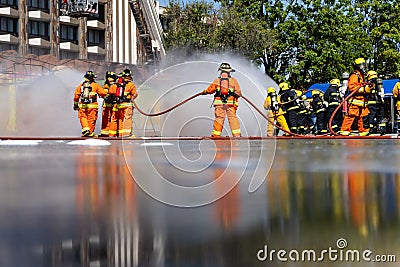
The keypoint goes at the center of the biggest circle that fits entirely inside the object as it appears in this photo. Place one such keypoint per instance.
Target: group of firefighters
(289, 110)
(355, 102)
(118, 93)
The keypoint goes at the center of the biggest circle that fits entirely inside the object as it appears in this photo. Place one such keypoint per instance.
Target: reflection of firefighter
(123, 91)
(357, 200)
(227, 207)
(85, 101)
(396, 96)
(375, 120)
(357, 104)
(107, 104)
(226, 92)
(275, 112)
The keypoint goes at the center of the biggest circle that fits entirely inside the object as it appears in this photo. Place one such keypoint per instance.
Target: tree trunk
(83, 54)
(23, 27)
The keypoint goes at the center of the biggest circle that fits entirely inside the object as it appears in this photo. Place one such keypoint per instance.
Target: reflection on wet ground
(76, 205)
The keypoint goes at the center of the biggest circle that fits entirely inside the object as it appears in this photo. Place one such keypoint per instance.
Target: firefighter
(275, 112)
(319, 109)
(123, 92)
(375, 120)
(333, 98)
(396, 96)
(305, 124)
(85, 102)
(226, 92)
(107, 104)
(357, 104)
(290, 105)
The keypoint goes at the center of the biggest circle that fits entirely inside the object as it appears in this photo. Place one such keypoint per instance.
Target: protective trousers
(106, 120)
(88, 118)
(355, 112)
(128, 120)
(221, 111)
(117, 123)
(280, 119)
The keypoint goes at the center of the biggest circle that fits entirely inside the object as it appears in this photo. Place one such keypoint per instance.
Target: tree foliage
(302, 41)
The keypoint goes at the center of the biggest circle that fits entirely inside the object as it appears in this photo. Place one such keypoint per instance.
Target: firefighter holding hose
(226, 92)
(357, 103)
(123, 92)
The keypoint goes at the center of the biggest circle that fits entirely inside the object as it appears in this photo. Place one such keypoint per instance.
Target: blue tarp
(387, 85)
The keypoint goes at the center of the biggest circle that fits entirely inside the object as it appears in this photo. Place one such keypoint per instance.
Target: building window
(95, 38)
(38, 4)
(39, 51)
(9, 25)
(38, 29)
(68, 33)
(5, 47)
(11, 3)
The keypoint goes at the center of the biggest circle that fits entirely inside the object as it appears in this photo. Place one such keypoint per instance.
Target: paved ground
(82, 203)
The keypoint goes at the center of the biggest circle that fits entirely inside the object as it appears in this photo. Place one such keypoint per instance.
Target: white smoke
(178, 81)
(40, 107)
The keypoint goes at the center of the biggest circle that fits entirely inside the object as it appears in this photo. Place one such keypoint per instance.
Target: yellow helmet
(284, 86)
(359, 60)
(271, 90)
(359, 64)
(335, 82)
(372, 75)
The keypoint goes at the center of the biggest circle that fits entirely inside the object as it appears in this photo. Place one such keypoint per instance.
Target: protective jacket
(86, 94)
(226, 91)
(356, 83)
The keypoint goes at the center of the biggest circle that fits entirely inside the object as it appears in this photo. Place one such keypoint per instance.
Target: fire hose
(255, 107)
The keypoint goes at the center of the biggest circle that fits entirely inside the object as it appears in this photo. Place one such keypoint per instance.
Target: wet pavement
(187, 203)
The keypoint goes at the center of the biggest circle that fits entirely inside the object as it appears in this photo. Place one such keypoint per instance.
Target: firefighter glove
(204, 92)
(76, 107)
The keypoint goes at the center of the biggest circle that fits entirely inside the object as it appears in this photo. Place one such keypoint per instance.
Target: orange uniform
(107, 112)
(225, 104)
(121, 122)
(85, 98)
(357, 104)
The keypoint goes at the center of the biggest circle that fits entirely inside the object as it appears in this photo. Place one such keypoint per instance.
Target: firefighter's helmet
(283, 86)
(126, 73)
(372, 75)
(359, 64)
(271, 90)
(110, 75)
(90, 75)
(225, 67)
(335, 82)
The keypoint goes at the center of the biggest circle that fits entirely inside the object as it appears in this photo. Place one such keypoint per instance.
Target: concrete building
(124, 31)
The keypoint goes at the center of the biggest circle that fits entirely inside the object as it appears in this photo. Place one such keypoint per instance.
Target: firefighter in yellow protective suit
(396, 96)
(123, 92)
(357, 104)
(85, 102)
(275, 112)
(226, 92)
(107, 104)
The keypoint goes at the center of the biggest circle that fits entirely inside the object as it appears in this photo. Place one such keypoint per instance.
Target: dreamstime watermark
(334, 254)
(192, 173)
